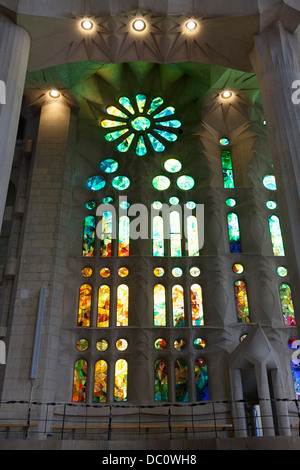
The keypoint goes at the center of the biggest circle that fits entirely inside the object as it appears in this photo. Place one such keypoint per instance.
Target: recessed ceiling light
(87, 25)
(226, 94)
(191, 25)
(54, 94)
(139, 25)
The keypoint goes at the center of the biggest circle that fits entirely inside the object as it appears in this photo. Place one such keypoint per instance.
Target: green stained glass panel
(166, 112)
(174, 123)
(271, 205)
(276, 237)
(120, 183)
(141, 123)
(115, 135)
(141, 101)
(234, 233)
(156, 102)
(287, 305)
(124, 146)
(161, 182)
(88, 246)
(95, 183)
(269, 182)
(192, 236)
(174, 200)
(90, 205)
(172, 165)
(124, 101)
(167, 135)
(156, 144)
(158, 236)
(141, 148)
(109, 123)
(109, 165)
(281, 271)
(185, 182)
(190, 205)
(112, 110)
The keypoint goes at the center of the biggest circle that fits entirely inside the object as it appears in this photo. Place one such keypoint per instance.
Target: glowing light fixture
(191, 25)
(87, 25)
(226, 94)
(139, 25)
(54, 94)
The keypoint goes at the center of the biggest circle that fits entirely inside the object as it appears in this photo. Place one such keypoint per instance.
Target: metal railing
(211, 419)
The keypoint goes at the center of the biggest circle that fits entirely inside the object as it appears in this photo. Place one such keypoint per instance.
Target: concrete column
(275, 61)
(14, 52)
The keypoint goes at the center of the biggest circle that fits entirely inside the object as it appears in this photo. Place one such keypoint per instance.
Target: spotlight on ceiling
(139, 25)
(191, 25)
(54, 94)
(87, 25)
(226, 94)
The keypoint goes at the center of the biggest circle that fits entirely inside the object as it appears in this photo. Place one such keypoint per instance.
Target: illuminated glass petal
(166, 112)
(109, 123)
(174, 123)
(141, 101)
(112, 110)
(124, 101)
(115, 135)
(156, 102)
(167, 135)
(156, 144)
(124, 146)
(141, 148)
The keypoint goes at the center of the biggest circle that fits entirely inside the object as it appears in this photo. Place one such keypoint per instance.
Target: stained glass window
(175, 234)
(241, 302)
(181, 381)
(269, 182)
(234, 233)
(120, 183)
(192, 236)
(90, 205)
(100, 382)
(201, 380)
(103, 306)
(109, 165)
(160, 344)
(159, 296)
(287, 306)
(122, 305)
(84, 309)
(172, 165)
(161, 380)
(124, 235)
(95, 183)
(276, 237)
(82, 344)
(121, 376)
(161, 182)
(185, 182)
(88, 245)
(158, 236)
(87, 272)
(227, 169)
(79, 381)
(197, 305)
(106, 236)
(102, 345)
(296, 378)
(178, 306)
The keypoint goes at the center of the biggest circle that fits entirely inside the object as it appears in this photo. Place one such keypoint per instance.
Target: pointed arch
(241, 302)
(159, 299)
(79, 381)
(103, 306)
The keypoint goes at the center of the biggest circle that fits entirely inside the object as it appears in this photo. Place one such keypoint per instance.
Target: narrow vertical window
(158, 236)
(122, 305)
(178, 306)
(106, 237)
(161, 380)
(159, 297)
(201, 380)
(276, 237)
(88, 246)
(121, 373)
(241, 302)
(296, 378)
(287, 306)
(192, 236)
(84, 309)
(197, 305)
(79, 381)
(100, 382)
(124, 236)
(103, 306)
(227, 169)
(181, 381)
(234, 233)
(175, 234)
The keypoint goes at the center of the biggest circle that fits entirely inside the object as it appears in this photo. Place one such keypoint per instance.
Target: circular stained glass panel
(109, 165)
(120, 183)
(161, 182)
(195, 271)
(157, 205)
(95, 183)
(224, 141)
(102, 345)
(174, 200)
(107, 200)
(105, 272)
(294, 343)
(160, 344)
(172, 165)
(269, 182)
(281, 271)
(90, 205)
(82, 344)
(121, 344)
(87, 272)
(230, 202)
(123, 272)
(190, 205)
(199, 343)
(185, 182)
(158, 272)
(179, 344)
(271, 205)
(238, 268)
(176, 272)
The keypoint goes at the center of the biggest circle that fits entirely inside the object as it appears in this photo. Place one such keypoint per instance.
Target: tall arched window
(175, 234)
(124, 236)
(84, 308)
(197, 305)
(106, 237)
(241, 302)
(103, 306)
(100, 382)
(227, 169)
(88, 246)
(296, 378)
(192, 236)
(158, 236)
(276, 237)
(287, 306)
(178, 306)
(121, 376)
(234, 233)
(122, 305)
(79, 381)
(181, 381)
(161, 380)
(201, 380)
(159, 299)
